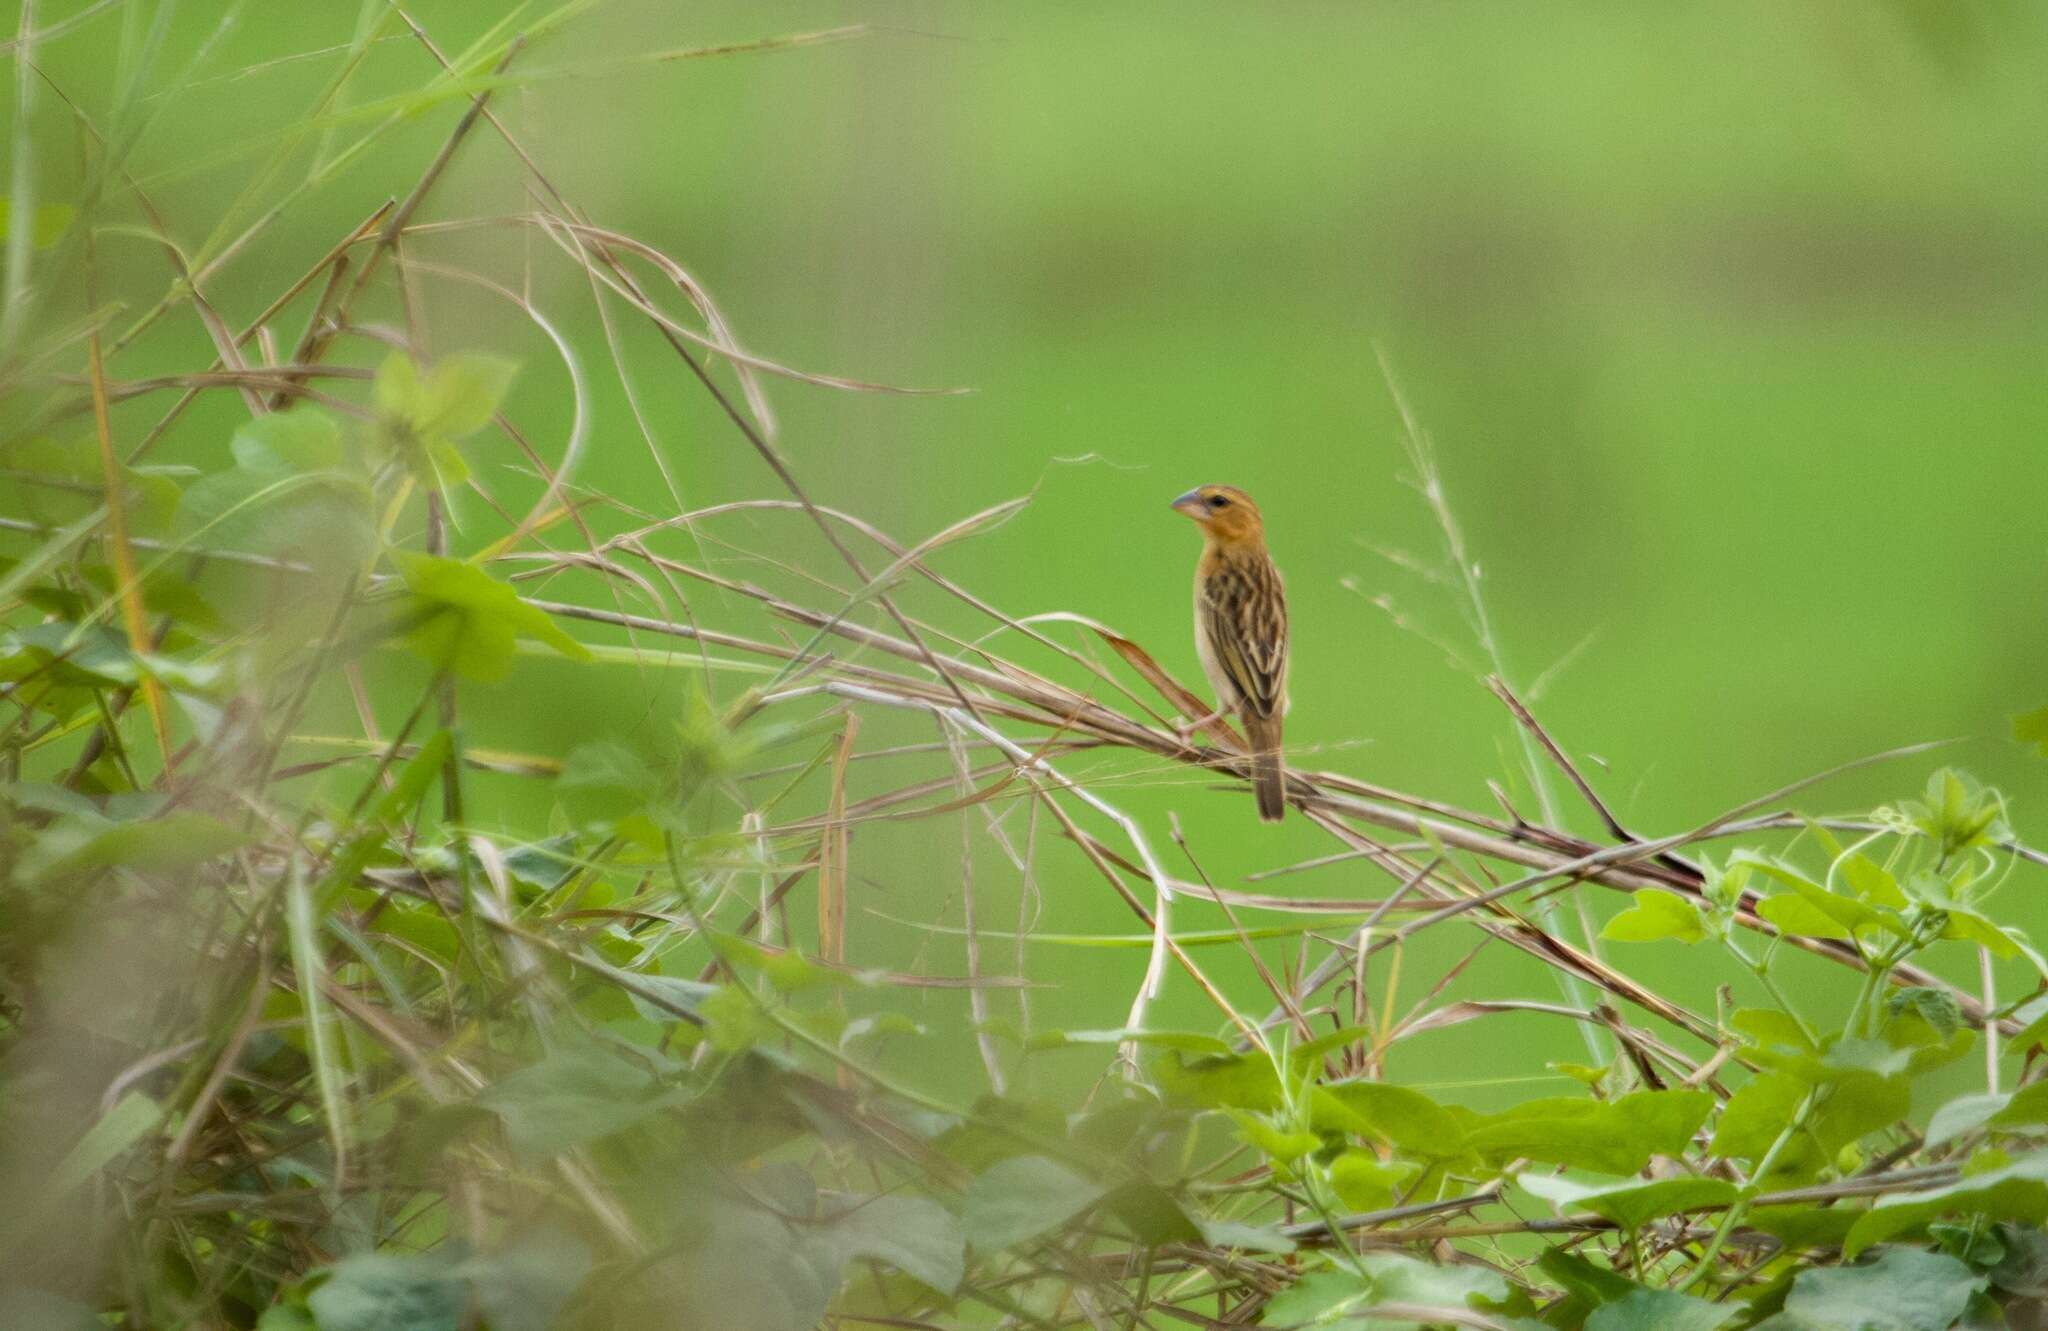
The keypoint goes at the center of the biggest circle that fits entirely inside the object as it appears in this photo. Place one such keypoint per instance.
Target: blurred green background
(1729, 321)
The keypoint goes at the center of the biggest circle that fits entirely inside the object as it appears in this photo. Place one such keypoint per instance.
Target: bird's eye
(1219, 501)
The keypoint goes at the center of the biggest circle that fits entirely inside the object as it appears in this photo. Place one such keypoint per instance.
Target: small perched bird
(1241, 629)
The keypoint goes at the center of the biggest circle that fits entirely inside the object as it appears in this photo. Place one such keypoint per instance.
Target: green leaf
(685, 994)
(1656, 915)
(461, 394)
(1632, 1205)
(1583, 1280)
(2033, 1018)
(2026, 1108)
(1232, 1081)
(1769, 1028)
(525, 1285)
(1813, 911)
(920, 1238)
(286, 442)
(460, 618)
(1613, 1137)
(1662, 1310)
(1963, 1114)
(1283, 1147)
(1315, 1296)
(1023, 1197)
(1962, 922)
(1756, 1114)
(1904, 1290)
(120, 1128)
(382, 1292)
(1801, 919)
(1394, 1114)
(172, 841)
(1153, 1215)
(1364, 1182)
(1871, 881)
(1250, 1238)
(396, 390)
(1399, 1278)
(575, 1095)
(1805, 1226)
(2017, 1191)
(1937, 1007)
(1956, 813)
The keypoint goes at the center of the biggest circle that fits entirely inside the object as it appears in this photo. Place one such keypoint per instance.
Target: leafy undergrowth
(297, 1035)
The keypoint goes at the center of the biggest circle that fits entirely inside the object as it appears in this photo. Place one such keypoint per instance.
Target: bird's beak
(1192, 505)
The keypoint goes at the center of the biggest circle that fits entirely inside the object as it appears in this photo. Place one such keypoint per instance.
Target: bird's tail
(1269, 774)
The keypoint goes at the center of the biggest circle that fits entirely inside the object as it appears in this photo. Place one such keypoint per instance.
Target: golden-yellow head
(1225, 514)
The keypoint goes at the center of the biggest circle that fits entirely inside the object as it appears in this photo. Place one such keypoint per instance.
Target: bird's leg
(1186, 733)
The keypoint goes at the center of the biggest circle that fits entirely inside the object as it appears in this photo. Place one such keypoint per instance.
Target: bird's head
(1225, 514)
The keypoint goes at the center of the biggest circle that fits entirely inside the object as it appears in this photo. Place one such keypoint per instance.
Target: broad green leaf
(1904, 1290)
(1937, 1007)
(131, 1118)
(575, 1095)
(460, 618)
(1662, 1310)
(685, 994)
(1962, 922)
(1963, 1114)
(1232, 1081)
(1153, 1215)
(384, 1292)
(1591, 1284)
(749, 1271)
(1314, 1297)
(1394, 1114)
(1655, 915)
(285, 442)
(1800, 918)
(90, 654)
(1956, 813)
(1250, 1238)
(1399, 1278)
(1311, 1052)
(918, 1237)
(1632, 1205)
(1756, 1114)
(1023, 1197)
(171, 841)
(1805, 1226)
(1281, 1146)
(1364, 1182)
(1872, 882)
(2027, 1107)
(396, 390)
(2017, 1191)
(1770, 1027)
(1613, 1137)
(2033, 1018)
(322, 516)
(525, 1285)
(1844, 916)
(461, 393)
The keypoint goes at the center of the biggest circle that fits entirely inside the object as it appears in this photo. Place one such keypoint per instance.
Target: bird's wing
(1245, 615)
